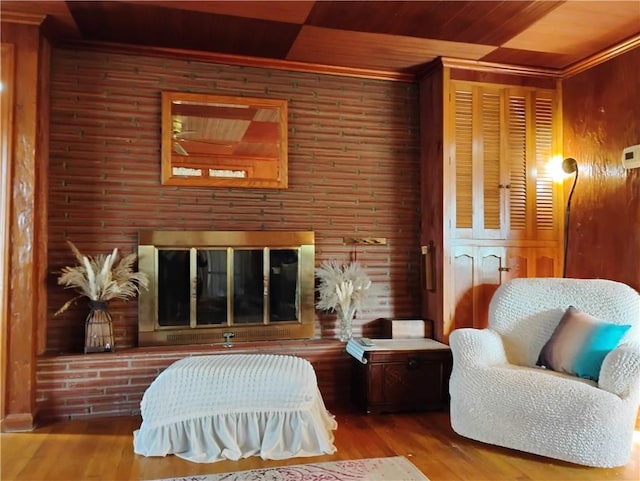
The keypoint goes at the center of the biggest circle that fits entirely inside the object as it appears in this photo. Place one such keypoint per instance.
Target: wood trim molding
(608, 54)
(23, 18)
(15, 423)
(7, 77)
(480, 66)
(245, 61)
(41, 197)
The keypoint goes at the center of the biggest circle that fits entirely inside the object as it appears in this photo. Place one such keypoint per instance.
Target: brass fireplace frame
(150, 333)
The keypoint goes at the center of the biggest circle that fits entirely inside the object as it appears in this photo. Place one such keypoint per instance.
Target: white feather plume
(102, 278)
(345, 288)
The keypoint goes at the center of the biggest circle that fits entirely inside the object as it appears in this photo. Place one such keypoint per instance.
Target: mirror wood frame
(222, 141)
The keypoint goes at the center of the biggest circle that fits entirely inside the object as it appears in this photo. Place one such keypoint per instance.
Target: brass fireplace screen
(255, 285)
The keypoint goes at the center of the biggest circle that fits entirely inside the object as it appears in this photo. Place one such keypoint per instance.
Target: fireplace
(205, 285)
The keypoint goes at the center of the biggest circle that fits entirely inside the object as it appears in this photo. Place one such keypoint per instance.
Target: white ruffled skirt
(209, 408)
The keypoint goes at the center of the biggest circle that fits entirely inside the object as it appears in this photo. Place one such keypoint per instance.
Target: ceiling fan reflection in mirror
(178, 133)
(182, 137)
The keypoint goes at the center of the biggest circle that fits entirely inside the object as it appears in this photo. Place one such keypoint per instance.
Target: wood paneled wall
(353, 172)
(602, 117)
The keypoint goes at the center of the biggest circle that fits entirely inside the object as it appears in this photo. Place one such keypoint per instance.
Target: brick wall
(353, 171)
(112, 384)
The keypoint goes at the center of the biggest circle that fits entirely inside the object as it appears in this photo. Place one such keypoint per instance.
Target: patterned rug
(396, 468)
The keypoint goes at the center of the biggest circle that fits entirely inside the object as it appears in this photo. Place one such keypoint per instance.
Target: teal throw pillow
(580, 343)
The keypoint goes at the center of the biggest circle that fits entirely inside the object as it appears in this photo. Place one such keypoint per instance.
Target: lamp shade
(569, 165)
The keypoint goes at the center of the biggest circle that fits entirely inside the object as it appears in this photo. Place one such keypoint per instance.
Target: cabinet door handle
(504, 186)
(504, 269)
(413, 364)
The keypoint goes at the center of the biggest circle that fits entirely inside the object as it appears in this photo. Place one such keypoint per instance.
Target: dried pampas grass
(101, 278)
(343, 288)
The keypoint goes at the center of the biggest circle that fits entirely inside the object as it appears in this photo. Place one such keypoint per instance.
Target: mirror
(218, 141)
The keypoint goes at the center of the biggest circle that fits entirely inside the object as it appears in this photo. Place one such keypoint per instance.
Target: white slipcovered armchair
(499, 395)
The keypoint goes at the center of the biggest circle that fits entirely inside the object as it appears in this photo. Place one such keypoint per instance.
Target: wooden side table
(400, 375)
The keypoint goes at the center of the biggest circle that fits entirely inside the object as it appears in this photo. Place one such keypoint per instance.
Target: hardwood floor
(101, 449)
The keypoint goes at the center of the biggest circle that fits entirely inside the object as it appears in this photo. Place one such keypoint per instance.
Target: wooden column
(434, 237)
(7, 57)
(27, 236)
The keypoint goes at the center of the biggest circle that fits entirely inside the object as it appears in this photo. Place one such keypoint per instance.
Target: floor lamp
(569, 165)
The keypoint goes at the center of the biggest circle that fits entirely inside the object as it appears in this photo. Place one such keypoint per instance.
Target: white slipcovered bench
(208, 408)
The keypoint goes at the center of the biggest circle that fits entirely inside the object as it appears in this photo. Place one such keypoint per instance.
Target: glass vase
(98, 329)
(345, 324)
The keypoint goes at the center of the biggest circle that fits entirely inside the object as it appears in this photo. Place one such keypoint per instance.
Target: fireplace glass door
(255, 285)
(211, 287)
(198, 287)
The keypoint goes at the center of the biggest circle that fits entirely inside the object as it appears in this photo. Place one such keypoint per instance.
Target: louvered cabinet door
(533, 202)
(477, 169)
(462, 163)
(503, 142)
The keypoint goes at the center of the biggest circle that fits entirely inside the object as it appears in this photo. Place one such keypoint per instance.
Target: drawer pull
(413, 364)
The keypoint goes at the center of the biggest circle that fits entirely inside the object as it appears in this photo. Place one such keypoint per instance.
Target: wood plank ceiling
(398, 37)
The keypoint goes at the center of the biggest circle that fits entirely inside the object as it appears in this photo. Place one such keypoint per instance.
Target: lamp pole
(569, 165)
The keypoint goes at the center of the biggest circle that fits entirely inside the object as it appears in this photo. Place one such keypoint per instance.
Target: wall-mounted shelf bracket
(380, 241)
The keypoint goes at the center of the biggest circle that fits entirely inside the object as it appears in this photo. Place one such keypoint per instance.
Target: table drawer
(406, 356)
